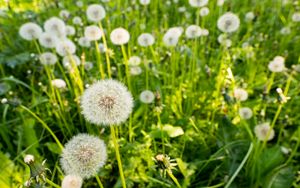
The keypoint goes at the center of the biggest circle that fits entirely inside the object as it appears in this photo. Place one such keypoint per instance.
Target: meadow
(150, 93)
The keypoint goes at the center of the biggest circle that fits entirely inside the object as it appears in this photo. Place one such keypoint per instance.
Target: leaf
(280, 178)
(53, 147)
(182, 167)
(173, 131)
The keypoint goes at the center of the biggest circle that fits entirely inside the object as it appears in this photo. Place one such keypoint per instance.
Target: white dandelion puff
(83, 156)
(30, 31)
(198, 3)
(296, 17)
(107, 102)
(65, 47)
(70, 30)
(119, 36)
(77, 20)
(64, 14)
(55, 26)
(95, 13)
(58, 83)
(245, 112)
(84, 42)
(145, 2)
(193, 31)
(204, 11)
(69, 59)
(147, 97)
(93, 32)
(135, 70)
(264, 132)
(71, 181)
(47, 40)
(249, 16)
(48, 58)
(134, 61)
(172, 36)
(240, 94)
(228, 22)
(146, 39)
(277, 64)
(28, 159)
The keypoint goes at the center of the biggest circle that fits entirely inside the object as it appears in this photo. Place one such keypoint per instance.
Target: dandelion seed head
(228, 23)
(84, 42)
(65, 47)
(77, 20)
(71, 181)
(64, 14)
(204, 11)
(69, 59)
(296, 17)
(48, 58)
(147, 97)
(107, 102)
(30, 31)
(95, 13)
(48, 40)
(277, 64)
(144, 2)
(28, 159)
(59, 83)
(193, 31)
(146, 39)
(55, 26)
(119, 36)
(134, 61)
(198, 3)
(245, 112)
(135, 70)
(261, 131)
(240, 94)
(83, 156)
(93, 32)
(70, 30)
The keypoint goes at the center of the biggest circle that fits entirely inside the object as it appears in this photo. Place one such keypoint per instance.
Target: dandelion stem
(99, 60)
(173, 178)
(99, 182)
(115, 141)
(106, 52)
(51, 183)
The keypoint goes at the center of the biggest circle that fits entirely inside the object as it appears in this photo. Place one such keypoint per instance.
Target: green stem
(44, 125)
(113, 134)
(99, 182)
(173, 178)
(51, 183)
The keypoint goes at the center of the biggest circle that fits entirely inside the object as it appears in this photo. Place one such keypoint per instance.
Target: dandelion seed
(71, 181)
(119, 36)
(83, 156)
(48, 40)
(198, 3)
(228, 22)
(261, 131)
(107, 102)
(48, 58)
(93, 33)
(240, 94)
(95, 13)
(146, 39)
(245, 113)
(30, 31)
(147, 97)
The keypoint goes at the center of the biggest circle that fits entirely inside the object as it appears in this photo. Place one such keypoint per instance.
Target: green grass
(194, 118)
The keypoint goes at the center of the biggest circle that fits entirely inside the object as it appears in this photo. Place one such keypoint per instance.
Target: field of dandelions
(150, 93)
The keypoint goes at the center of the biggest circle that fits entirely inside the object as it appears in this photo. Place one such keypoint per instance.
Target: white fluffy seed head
(146, 39)
(48, 58)
(84, 42)
(107, 102)
(264, 132)
(93, 32)
(95, 13)
(134, 61)
(119, 36)
(198, 3)
(59, 83)
(65, 47)
(296, 17)
(204, 11)
(240, 94)
(28, 159)
(71, 181)
(193, 31)
(47, 40)
(147, 97)
(55, 26)
(83, 156)
(77, 20)
(228, 22)
(68, 61)
(30, 31)
(145, 2)
(245, 112)
(249, 16)
(70, 30)
(64, 14)
(277, 64)
(171, 37)
(135, 70)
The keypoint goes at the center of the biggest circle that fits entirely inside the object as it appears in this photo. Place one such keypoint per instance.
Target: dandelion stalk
(173, 178)
(115, 141)
(99, 182)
